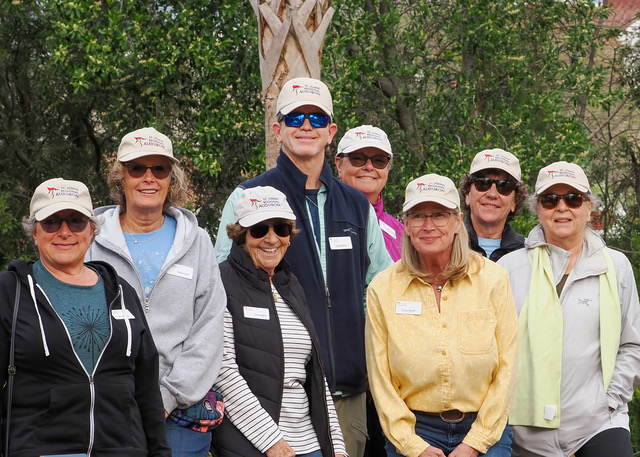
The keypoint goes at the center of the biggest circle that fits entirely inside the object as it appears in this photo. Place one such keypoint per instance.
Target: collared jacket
(337, 307)
(462, 356)
(511, 240)
(60, 408)
(185, 308)
(259, 350)
(585, 408)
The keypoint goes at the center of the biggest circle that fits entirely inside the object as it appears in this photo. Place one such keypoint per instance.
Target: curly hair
(521, 192)
(178, 195)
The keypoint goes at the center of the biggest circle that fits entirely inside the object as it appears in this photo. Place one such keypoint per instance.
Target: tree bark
(291, 34)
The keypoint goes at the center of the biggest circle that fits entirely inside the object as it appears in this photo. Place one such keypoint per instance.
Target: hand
(432, 451)
(464, 450)
(340, 455)
(280, 449)
(166, 414)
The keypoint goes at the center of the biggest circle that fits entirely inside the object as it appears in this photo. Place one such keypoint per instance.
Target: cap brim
(572, 184)
(416, 201)
(139, 154)
(291, 106)
(252, 219)
(494, 167)
(364, 144)
(57, 207)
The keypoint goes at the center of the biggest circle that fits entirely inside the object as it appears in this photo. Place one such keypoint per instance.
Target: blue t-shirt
(149, 251)
(84, 311)
(489, 245)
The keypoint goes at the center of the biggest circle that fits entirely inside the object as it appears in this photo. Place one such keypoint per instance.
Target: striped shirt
(243, 408)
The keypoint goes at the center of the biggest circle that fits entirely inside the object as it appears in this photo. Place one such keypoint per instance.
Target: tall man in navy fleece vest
(340, 247)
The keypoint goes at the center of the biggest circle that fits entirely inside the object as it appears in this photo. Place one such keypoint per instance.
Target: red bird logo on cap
(50, 191)
(254, 202)
(138, 139)
(551, 173)
(295, 88)
(488, 156)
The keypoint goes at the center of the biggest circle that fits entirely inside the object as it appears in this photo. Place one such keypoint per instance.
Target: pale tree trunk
(291, 33)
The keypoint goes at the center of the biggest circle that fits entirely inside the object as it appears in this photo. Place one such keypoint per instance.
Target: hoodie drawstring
(126, 321)
(35, 305)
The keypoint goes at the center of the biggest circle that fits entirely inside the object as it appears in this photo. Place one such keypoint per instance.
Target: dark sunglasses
(137, 170)
(359, 160)
(504, 186)
(260, 230)
(317, 120)
(550, 201)
(75, 223)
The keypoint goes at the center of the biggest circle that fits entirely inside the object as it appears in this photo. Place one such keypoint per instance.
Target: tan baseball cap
(144, 142)
(498, 159)
(59, 194)
(562, 173)
(431, 188)
(299, 92)
(364, 136)
(261, 203)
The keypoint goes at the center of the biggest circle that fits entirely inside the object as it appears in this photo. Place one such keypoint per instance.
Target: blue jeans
(185, 442)
(311, 454)
(445, 436)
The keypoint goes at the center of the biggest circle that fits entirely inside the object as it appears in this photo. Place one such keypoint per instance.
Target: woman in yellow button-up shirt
(441, 336)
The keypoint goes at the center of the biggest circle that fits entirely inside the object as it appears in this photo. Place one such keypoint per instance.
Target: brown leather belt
(450, 417)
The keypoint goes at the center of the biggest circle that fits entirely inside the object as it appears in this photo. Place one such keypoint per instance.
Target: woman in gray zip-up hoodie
(160, 250)
(579, 329)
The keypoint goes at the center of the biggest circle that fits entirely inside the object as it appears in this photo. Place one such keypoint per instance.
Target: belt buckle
(445, 416)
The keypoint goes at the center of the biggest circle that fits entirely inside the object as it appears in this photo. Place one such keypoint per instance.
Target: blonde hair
(458, 266)
(178, 194)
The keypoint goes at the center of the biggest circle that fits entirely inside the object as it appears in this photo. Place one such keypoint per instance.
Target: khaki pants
(352, 416)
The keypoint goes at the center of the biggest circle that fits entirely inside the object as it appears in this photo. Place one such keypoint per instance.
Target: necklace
(130, 233)
(311, 201)
(439, 285)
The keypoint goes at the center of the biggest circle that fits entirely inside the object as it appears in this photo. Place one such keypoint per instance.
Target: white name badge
(251, 312)
(550, 412)
(337, 243)
(387, 228)
(122, 314)
(409, 307)
(182, 271)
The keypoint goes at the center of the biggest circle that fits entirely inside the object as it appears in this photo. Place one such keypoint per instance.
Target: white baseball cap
(299, 92)
(144, 142)
(364, 136)
(562, 173)
(59, 194)
(261, 203)
(498, 159)
(431, 188)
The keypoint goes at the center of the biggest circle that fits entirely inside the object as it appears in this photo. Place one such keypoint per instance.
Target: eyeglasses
(317, 120)
(504, 186)
(439, 219)
(550, 201)
(260, 230)
(359, 160)
(75, 223)
(137, 170)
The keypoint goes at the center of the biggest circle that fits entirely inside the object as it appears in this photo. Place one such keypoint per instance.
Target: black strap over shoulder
(12, 367)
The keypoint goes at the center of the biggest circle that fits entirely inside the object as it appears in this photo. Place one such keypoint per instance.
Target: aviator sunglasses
(504, 186)
(137, 170)
(76, 224)
(359, 160)
(296, 119)
(550, 201)
(282, 229)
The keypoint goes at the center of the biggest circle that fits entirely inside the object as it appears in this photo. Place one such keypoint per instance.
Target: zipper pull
(146, 305)
(328, 295)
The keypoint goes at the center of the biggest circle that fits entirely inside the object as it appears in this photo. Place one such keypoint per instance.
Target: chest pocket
(476, 331)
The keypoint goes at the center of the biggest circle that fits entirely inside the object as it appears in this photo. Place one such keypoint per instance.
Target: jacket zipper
(89, 375)
(332, 360)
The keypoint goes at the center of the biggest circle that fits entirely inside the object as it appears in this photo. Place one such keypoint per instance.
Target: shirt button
(444, 325)
(445, 298)
(444, 352)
